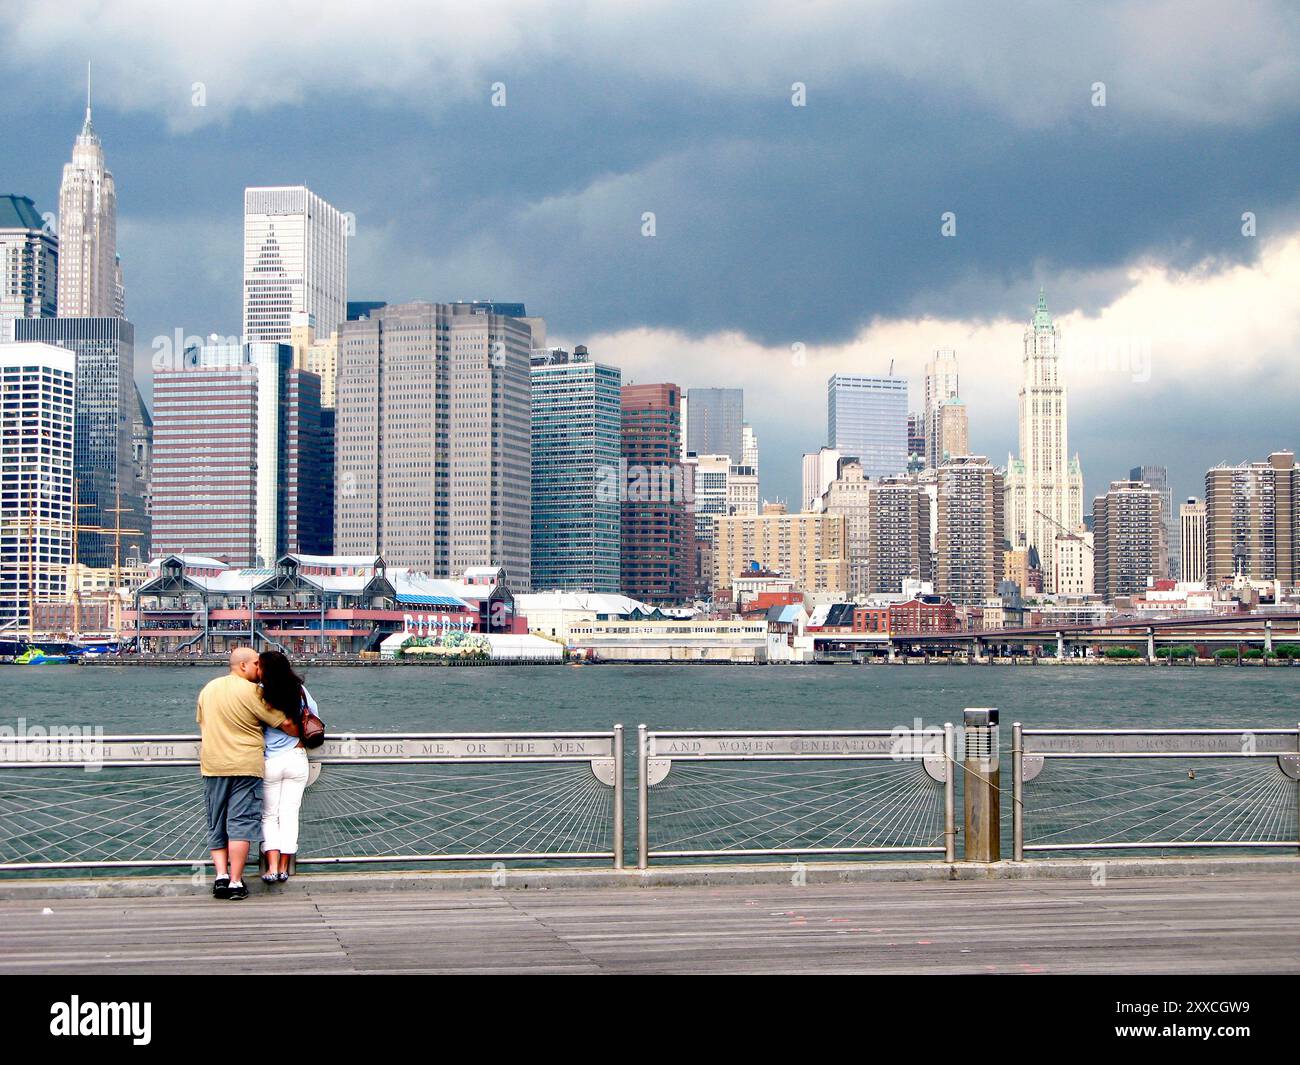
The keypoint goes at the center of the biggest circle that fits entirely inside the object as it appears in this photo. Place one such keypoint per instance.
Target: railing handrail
(193, 737)
(797, 732)
(1157, 731)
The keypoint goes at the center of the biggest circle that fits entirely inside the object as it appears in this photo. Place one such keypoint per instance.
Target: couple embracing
(256, 724)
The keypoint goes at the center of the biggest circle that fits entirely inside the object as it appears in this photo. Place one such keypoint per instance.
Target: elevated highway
(1212, 631)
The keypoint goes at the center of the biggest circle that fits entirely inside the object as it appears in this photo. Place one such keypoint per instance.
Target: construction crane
(1072, 535)
(36, 523)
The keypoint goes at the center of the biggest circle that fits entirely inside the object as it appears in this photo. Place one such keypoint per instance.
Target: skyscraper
(1158, 478)
(970, 538)
(390, 476)
(89, 272)
(658, 542)
(709, 480)
(142, 458)
(1128, 532)
(37, 423)
(316, 354)
(295, 262)
(716, 422)
(576, 446)
(952, 435)
(866, 418)
(320, 356)
(848, 495)
(941, 387)
(819, 470)
(1252, 521)
(748, 449)
(489, 440)
(433, 462)
(1191, 540)
(915, 442)
(899, 535)
(237, 465)
(90, 323)
(105, 454)
(1044, 486)
(29, 262)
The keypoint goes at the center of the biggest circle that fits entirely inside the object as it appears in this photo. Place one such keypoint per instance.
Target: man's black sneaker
(221, 887)
(237, 893)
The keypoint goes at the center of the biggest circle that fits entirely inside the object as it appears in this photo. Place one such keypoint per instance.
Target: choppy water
(135, 699)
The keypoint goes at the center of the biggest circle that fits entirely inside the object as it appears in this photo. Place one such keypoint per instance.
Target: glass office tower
(105, 455)
(576, 422)
(866, 418)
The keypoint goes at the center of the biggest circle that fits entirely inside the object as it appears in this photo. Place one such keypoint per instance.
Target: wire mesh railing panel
(1138, 802)
(1155, 789)
(442, 811)
(794, 792)
(773, 807)
(120, 815)
(137, 802)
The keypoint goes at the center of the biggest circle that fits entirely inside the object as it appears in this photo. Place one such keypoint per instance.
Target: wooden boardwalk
(1158, 925)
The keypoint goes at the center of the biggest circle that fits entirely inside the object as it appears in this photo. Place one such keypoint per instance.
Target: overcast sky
(790, 241)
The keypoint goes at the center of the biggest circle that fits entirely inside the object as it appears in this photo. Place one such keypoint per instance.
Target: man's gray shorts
(234, 807)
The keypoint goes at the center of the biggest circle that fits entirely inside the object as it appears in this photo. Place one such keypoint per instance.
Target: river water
(138, 699)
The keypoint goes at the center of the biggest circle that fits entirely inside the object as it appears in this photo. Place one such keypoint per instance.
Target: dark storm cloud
(778, 221)
(783, 223)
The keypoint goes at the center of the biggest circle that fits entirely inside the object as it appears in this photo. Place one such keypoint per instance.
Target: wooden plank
(1193, 925)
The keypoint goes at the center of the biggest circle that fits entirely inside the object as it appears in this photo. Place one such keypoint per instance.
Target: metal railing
(734, 794)
(124, 802)
(1154, 789)
(134, 802)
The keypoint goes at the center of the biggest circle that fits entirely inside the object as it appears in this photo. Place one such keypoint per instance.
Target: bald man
(230, 716)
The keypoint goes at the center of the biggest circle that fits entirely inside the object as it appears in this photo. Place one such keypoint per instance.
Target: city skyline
(1150, 300)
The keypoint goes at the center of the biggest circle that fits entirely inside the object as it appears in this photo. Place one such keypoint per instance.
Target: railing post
(618, 796)
(949, 794)
(642, 798)
(1017, 792)
(980, 785)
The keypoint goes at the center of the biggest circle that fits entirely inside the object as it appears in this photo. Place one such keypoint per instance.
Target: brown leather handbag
(312, 730)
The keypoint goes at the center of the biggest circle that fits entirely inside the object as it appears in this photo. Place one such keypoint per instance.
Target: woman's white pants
(283, 784)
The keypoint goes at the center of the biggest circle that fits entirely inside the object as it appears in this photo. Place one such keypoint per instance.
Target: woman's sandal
(271, 878)
(282, 877)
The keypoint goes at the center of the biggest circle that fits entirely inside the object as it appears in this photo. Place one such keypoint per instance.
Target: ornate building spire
(1044, 486)
(87, 127)
(88, 273)
(1042, 319)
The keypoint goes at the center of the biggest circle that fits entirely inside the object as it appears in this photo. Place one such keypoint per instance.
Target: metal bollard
(1017, 792)
(981, 785)
(618, 796)
(949, 794)
(642, 798)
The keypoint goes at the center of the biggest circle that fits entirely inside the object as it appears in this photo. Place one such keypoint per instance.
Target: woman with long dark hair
(285, 776)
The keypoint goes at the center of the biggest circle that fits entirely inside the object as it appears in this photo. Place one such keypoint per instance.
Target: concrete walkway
(1191, 924)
